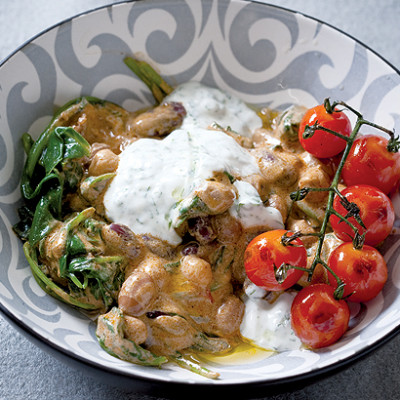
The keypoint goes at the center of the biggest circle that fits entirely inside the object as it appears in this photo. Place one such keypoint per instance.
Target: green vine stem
(352, 208)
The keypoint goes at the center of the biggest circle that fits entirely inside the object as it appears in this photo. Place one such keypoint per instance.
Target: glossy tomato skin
(267, 250)
(363, 271)
(317, 318)
(323, 144)
(376, 212)
(370, 163)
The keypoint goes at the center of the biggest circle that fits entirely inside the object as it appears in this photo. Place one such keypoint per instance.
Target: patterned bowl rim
(49, 346)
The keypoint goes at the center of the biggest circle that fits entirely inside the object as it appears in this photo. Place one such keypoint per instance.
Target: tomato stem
(303, 192)
(310, 130)
(352, 208)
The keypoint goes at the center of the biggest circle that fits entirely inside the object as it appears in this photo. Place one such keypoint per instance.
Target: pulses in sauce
(166, 202)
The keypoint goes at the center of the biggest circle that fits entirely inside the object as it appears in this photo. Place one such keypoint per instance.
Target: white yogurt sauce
(205, 106)
(156, 178)
(268, 325)
(250, 210)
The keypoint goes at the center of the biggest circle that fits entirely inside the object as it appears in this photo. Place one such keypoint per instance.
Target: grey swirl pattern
(264, 54)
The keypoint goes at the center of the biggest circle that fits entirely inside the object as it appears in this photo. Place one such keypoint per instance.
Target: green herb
(195, 208)
(92, 186)
(232, 179)
(290, 125)
(172, 267)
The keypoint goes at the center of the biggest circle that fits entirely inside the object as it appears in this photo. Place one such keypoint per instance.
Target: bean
(196, 270)
(171, 333)
(229, 315)
(137, 294)
(315, 177)
(228, 228)
(120, 239)
(260, 183)
(175, 325)
(217, 196)
(103, 162)
(154, 267)
(135, 329)
(201, 229)
(276, 168)
(304, 226)
(191, 248)
(160, 121)
(55, 242)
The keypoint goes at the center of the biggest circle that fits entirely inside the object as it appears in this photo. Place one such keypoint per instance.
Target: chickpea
(217, 196)
(135, 329)
(229, 315)
(137, 294)
(196, 270)
(103, 162)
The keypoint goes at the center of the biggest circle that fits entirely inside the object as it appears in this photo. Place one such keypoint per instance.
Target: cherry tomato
(370, 163)
(267, 250)
(376, 212)
(324, 144)
(318, 319)
(363, 271)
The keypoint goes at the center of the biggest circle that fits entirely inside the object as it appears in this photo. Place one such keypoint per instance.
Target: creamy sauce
(155, 178)
(268, 325)
(206, 106)
(250, 211)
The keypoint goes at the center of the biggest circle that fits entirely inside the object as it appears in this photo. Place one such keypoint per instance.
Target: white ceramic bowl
(265, 55)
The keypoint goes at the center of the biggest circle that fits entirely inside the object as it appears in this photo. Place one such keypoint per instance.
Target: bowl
(263, 54)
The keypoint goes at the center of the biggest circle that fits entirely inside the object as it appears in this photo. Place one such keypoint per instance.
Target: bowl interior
(265, 55)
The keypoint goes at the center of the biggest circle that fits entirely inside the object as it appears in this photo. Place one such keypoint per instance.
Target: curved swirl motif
(173, 33)
(107, 64)
(45, 69)
(264, 54)
(259, 54)
(375, 93)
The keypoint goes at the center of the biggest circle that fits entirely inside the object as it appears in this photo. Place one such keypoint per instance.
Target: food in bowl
(190, 227)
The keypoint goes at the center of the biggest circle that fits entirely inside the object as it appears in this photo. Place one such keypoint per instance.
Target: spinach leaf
(43, 219)
(50, 287)
(43, 180)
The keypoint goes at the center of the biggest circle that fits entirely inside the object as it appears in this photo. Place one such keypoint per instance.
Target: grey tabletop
(27, 372)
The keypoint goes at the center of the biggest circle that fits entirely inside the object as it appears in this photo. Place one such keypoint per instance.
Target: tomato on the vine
(266, 251)
(376, 212)
(363, 271)
(324, 144)
(317, 318)
(371, 163)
